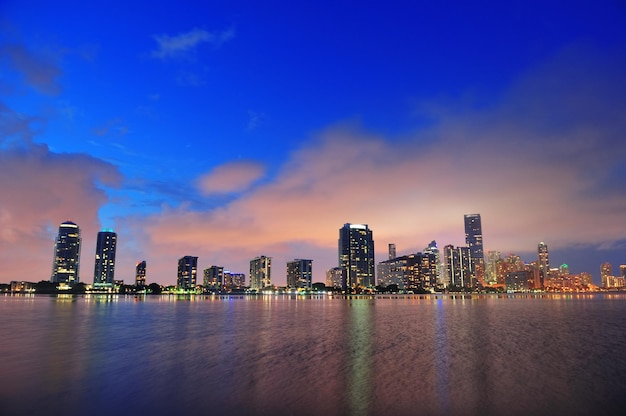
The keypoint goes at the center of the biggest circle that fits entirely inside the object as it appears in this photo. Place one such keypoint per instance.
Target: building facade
(187, 272)
(260, 273)
(214, 277)
(457, 266)
(474, 241)
(140, 274)
(104, 268)
(334, 278)
(66, 261)
(299, 274)
(543, 262)
(356, 256)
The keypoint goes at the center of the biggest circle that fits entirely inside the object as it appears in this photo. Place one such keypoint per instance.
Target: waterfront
(445, 354)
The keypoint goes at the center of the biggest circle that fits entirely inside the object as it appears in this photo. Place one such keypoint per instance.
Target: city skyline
(229, 130)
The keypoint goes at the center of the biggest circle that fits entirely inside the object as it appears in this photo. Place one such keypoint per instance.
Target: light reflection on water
(362, 355)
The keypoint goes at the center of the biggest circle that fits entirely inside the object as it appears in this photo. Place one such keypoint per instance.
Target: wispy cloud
(230, 178)
(179, 45)
(39, 72)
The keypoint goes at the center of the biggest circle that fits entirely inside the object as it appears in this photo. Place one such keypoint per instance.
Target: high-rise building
(260, 272)
(104, 268)
(140, 274)
(474, 240)
(434, 250)
(214, 277)
(356, 256)
(299, 274)
(606, 275)
(232, 279)
(392, 251)
(66, 261)
(493, 267)
(543, 262)
(334, 277)
(457, 266)
(187, 272)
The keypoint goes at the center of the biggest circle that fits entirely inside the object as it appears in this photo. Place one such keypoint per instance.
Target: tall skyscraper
(140, 274)
(543, 262)
(457, 266)
(187, 272)
(299, 274)
(474, 240)
(66, 261)
(260, 272)
(356, 256)
(104, 268)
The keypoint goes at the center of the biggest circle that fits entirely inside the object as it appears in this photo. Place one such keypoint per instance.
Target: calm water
(468, 355)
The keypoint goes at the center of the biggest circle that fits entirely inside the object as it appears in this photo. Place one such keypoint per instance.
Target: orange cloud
(41, 189)
(231, 177)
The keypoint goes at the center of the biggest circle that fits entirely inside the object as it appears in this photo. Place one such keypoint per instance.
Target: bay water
(318, 355)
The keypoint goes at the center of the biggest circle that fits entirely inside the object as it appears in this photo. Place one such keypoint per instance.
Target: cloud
(535, 166)
(41, 189)
(17, 127)
(230, 178)
(183, 43)
(39, 72)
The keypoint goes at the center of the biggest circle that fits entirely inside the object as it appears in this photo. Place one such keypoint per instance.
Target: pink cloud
(231, 177)
(41, 189)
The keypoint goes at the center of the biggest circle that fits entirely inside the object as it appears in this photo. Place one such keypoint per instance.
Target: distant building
(518, 281)
(494, 258)
(234, 280)
(260, 272)
(356, 256)
(392, 251)
(411, 272)
(214, 277)
(434, 250)
(334, 277)
(457, 266)
(66, 261)
(543, 262)
(104, 268)
(299, 274)
(187, 272)
(474, 241)
(140, 274)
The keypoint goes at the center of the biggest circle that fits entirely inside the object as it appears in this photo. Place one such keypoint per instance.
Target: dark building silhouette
(140, 274)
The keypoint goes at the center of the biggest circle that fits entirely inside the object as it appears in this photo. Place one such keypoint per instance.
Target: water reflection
(421, 354)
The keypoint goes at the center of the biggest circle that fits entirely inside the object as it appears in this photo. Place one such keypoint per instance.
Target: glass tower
(104, 268)
(356, 256)
(66, 261)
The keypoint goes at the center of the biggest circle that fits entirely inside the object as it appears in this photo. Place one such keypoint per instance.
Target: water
(469, 355)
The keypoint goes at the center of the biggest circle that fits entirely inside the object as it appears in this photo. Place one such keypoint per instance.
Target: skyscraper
(299, 274)
(356, 256)
(66, 261)
(187, 272)
(260, 272)
(104, 268)
(474, 240)
(457, 266)
(140, 274)
(543, 262)
(392, 251)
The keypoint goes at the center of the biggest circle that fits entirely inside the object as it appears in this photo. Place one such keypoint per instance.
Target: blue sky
(229, 130)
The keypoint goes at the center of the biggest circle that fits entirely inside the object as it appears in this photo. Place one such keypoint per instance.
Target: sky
(228, 130)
